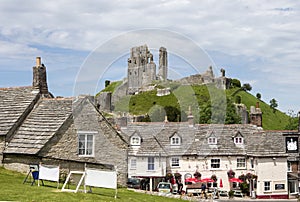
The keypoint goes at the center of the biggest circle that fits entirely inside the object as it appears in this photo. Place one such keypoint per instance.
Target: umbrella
(221, 183)
(235, 180)
(207, 180)
(194, 180)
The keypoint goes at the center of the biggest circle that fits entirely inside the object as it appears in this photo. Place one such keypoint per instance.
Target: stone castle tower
(163, 64)
(142, 69)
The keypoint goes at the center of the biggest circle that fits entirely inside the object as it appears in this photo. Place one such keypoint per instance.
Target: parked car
(134, 183)
(164, 187)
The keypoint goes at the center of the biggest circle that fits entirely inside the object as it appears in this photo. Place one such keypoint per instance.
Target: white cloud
(265, 34)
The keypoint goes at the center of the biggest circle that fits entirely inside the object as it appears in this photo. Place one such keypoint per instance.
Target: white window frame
(289, 166)
(175, 140)
(135, 141)
(212, 140)
(215, 163)
(238, 140)
(133, 165)
(241, 163)
(252, 163)
(151, 163)
(293, 184)
(175, 162)
(85, 147)
(267, 186)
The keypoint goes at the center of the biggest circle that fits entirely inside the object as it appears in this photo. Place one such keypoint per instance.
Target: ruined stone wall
(104, 101)
(163, 64)
(141, 68)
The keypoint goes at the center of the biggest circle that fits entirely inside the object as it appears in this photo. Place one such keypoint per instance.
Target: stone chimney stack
(40, 77)
(256, 115)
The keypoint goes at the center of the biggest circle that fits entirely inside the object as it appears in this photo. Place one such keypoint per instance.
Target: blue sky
(256, 41)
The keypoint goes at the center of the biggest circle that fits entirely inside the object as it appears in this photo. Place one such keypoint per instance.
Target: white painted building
(160, 148)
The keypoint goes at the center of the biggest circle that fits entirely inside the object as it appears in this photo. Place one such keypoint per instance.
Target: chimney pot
(257, 105)
(38, 61)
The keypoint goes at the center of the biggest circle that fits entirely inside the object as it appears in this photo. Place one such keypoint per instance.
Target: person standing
(203, 189)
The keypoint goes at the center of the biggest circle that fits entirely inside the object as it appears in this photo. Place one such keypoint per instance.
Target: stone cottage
(37, 128)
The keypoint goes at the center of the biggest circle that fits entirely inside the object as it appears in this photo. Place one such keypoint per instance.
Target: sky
(256, 41)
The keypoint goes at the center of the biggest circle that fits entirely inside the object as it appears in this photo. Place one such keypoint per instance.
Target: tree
(247, 87)
(107, 82)
(293, 121)
(235, 83)
(158, 113)
(258, 96)
(238, 99)
(273, 105)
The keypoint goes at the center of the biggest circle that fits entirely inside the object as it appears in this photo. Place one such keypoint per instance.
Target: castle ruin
(142, 69)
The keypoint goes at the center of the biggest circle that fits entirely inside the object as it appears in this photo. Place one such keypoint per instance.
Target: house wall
(274, 171)
(142, 167)
(202, 165)
(109, 149)
(2, 145)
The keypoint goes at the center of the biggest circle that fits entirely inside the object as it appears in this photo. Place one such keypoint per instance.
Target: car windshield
(164, 186)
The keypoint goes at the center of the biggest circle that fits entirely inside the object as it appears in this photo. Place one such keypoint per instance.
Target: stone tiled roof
(156, 138)
(13, 103)
(40, 125)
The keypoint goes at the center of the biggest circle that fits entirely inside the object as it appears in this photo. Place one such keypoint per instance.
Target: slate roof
(40, 125)
(13, 103)
(156, 139)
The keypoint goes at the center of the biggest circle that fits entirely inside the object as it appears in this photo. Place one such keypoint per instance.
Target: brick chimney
(40, 77)
(256, 115)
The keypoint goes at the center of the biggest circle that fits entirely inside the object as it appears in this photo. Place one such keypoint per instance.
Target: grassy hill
(271, 120)
(197, 97)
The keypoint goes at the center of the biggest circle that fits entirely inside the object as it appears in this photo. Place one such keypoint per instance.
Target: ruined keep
(163, 64)
(142, 69)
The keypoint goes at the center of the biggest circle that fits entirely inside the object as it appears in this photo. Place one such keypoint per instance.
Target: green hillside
(200, 98)
(271, 120)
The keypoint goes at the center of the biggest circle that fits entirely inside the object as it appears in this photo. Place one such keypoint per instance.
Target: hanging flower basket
(214, 178)
(169, 176)
(177, 176)
(231, 174)
(197, 175)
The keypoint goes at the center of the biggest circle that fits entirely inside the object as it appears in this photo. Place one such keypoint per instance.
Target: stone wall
(104, 101)
(109, 147)
(2, 145)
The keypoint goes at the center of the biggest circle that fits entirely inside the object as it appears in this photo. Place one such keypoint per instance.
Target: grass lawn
(13, 189)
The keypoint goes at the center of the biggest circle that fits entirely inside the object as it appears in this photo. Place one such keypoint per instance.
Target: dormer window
(239, 140)
(135, 140)
(212, 140)
(175, 139)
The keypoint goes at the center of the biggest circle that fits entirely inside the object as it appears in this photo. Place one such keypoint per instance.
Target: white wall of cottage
(203, 165)
(273, 170)
(266, 168)
(141, 168)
